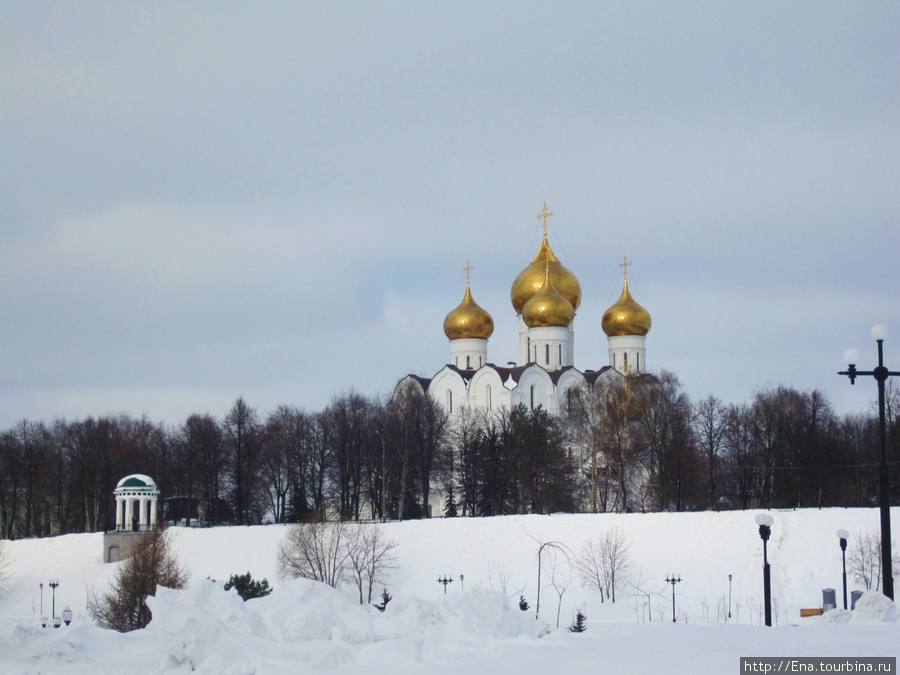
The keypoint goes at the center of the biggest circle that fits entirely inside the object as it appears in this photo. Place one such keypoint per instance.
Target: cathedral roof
(626, 317)
(548, 307)
(468, 320)
(531, 279)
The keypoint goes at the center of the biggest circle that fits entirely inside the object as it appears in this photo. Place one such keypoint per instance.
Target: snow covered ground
(308, 627)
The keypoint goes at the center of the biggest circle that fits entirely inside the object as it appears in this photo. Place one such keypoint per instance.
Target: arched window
(488, 397)
(468, 363)
(450, 400)
(560, 355)
(547, 354)
(625, 364)
(532, 397)
(638, 358)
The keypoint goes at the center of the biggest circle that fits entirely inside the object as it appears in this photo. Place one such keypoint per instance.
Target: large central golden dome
(548, 307)
(468, 320)
(626, 317)
(530, 280)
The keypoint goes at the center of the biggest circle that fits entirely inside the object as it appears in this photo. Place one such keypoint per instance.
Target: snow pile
(874, 607)
(208, 629)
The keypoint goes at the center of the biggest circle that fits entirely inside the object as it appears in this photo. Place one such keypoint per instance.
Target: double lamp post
(881, 374)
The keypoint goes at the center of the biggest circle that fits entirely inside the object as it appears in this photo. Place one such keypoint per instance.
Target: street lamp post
(843, 535)
(729, 596)
(881, 374)
(764, 520)
(54, 584)
(673, 580)
(445, 580)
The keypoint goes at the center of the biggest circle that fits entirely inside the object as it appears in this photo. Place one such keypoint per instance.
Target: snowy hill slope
(211, 630)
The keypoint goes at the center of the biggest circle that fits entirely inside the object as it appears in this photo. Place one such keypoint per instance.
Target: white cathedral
(545, 296)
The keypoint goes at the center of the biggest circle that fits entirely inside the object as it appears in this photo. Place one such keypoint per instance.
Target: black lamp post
(881, 374)
(764, 520)
(445, 581)
(729, 596)
(843, 535)
(673, 580)
(54, 584)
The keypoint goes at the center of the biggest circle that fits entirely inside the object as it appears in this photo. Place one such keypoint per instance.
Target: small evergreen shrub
(385, 599)
(579, 625)
(247, 587)
(523, 603)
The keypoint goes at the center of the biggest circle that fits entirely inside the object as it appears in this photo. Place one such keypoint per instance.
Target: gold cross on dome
(624, 265)
(545, 214)
(468, 268)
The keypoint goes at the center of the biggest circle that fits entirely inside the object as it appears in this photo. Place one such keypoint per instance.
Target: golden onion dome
(468, 320)
(548, 307)
(626, 317)
(531, 279)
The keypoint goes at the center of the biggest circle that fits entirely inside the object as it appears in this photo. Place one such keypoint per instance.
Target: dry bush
(336, 552)
(315, 551)
(151, 564)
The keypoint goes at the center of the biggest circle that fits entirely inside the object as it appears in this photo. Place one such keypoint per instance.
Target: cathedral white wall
(630, 346)
(550, 347)
(449, 389)
(535, 388)
(487, 392)
(468, 353)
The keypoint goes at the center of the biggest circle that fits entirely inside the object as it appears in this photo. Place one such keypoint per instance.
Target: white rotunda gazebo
(136, 497)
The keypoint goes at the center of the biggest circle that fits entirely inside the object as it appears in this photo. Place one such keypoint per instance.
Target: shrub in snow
(151, 564)
(579, 623)
(385, 599)
(248, 587)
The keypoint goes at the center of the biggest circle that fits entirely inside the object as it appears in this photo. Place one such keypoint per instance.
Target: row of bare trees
(642, 445)
(633, 445)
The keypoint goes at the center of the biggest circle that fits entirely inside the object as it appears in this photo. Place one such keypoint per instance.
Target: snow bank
(874, 607)
(209, 629)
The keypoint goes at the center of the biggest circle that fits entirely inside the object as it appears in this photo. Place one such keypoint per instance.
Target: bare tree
(151, 564)
(864, 561)
(709, 426)
(316, 551)
(604, 562)
(559, 569)
(370, 556)
(242, 439)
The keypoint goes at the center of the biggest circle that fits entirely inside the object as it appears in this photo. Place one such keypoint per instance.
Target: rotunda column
(120, 513)
(153, 511)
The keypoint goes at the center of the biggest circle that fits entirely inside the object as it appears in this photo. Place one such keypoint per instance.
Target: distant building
(136, 500)
(545, 297)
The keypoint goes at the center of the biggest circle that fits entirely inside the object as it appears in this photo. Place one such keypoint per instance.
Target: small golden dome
(531, 279)
(468, 320)
(626, 317)
(548, 307)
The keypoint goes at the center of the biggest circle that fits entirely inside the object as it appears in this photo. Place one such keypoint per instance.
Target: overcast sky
(200, 201)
